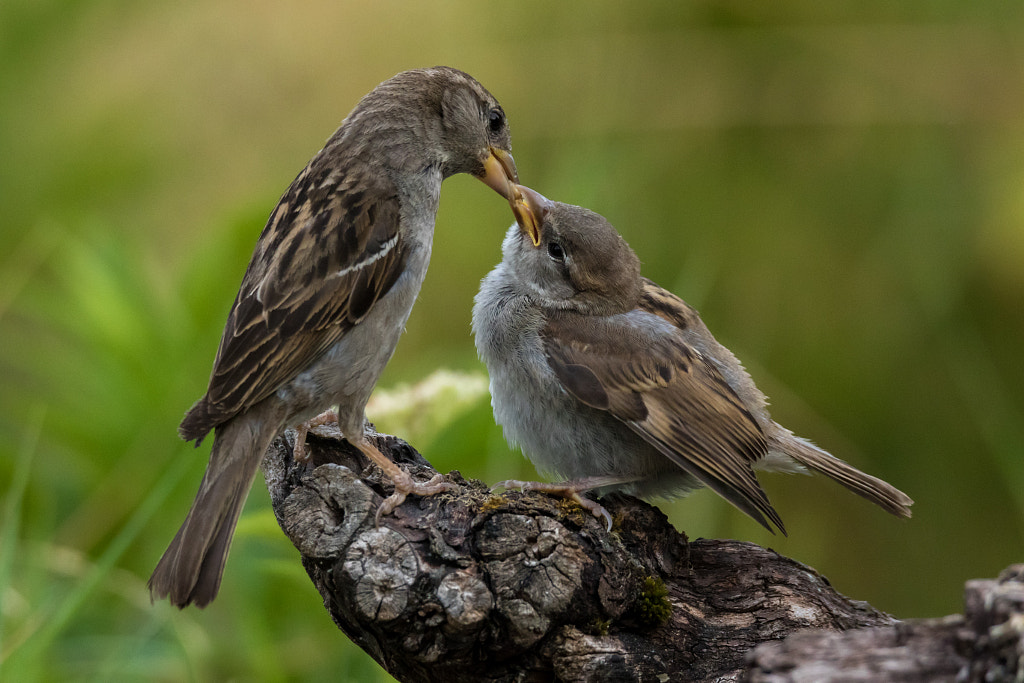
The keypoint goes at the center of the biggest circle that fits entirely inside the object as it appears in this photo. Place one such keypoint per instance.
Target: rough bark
(474, 586)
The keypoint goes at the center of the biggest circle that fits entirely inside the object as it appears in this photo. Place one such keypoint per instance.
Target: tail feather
(197, 422)
(879, 492)
(191, 568)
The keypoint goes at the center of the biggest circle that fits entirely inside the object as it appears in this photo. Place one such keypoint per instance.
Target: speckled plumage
(606, 379)
(327, 293)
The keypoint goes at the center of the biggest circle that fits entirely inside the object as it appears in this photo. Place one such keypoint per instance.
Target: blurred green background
(838, 188)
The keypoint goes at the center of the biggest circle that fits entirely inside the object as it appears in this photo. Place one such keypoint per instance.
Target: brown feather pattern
(331, 282)
(586, 355)
(287, 314)
(670, 394)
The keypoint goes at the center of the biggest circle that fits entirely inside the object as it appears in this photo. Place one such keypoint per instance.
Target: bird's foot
(299, 453)
(570, 490)
(406, 485)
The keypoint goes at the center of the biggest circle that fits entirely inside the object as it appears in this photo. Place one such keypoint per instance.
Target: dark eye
(496, 120)
(556, 252)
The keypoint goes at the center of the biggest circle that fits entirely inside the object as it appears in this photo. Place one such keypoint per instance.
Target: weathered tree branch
(474, 586)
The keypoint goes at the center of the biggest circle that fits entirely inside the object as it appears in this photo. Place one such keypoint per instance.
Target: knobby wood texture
(474, 586)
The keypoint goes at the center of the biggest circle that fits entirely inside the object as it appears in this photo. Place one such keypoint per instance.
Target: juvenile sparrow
(326, 295)
(603, 377)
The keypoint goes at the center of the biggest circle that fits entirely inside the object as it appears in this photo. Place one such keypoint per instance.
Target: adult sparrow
(603, 377)
(326, 295)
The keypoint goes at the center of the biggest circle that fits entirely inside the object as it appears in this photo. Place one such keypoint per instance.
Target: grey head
(570, 258)
(439, 118)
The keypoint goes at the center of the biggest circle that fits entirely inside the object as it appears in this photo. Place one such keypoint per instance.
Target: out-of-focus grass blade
(11, 522)
(26, 656)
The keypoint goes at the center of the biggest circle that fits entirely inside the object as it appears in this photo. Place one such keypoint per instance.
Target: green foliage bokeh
(839, 189)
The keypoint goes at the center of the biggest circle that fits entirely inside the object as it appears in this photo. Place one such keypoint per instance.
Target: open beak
(530, 209)
(500, 172)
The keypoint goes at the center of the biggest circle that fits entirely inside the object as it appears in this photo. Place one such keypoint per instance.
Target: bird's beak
(530, 209)
(500, 172)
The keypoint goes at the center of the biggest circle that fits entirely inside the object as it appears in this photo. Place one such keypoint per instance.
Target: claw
(405, 485)
(299, 453)
(567, 490)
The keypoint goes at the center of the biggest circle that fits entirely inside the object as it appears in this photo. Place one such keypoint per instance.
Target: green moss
(573, 510)
(493, 502)
(653, 605)
(599, 627)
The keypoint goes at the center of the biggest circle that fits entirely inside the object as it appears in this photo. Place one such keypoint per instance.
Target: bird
(604, 378)
(325, 297)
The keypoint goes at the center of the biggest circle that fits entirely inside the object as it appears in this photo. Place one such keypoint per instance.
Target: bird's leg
(404, 483)
(299, 452)
(571, 490)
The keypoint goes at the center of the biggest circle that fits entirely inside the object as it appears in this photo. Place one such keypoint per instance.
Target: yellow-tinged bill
(500, 172)
(529, 207)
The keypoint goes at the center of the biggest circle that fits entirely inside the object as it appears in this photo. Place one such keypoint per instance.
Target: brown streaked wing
(329, 253)
(669, 394)
(663, 303)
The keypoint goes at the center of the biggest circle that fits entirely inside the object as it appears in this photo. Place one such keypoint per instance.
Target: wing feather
(329, 252)
(643, 372)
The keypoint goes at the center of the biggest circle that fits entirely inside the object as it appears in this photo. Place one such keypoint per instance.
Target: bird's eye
(496, 120)
(556, 252)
